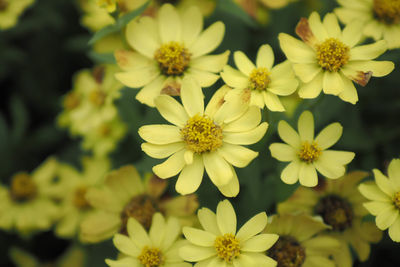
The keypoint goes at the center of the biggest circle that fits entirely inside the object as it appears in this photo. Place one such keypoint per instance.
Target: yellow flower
(199, 139)
(159, 247)
(169, 48)
(262, 81)
(384, 196)
(94, 17)
(122, 196)
(340, 205)
(220, 245)
(10, 10)
(307, 154)
(380, 18)
(27, 205)
(300, 241)
(109, 5)
(74, 185)
(329, 59)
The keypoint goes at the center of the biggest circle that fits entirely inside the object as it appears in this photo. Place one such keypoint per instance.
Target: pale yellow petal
(252, 227)
(372, 192)
(217, 168)
(391, 35)
(272, 102)
(313, 88)
(236, 155)
(265, 57)
(295, 50)
(308, 175)
(331, 163)
(352, 33)
(290, 174)
(208, 220)
(143, 36)
(231, 189)
(305, 126)
(208, 40)
(387, 217)
(349, 94)
(243, 63)
(259, 243)
(192, 24)
(234, 78)
(196, 253)
(226, 217)
(192, 97)
(171, 110)
(157, 229)
(171, 167)
(378, 68)
(125, 245)
(384, 184)
(375, 207)
(282, 152)
(249, 120)
(369, 51)
(137, 233)
(394, 173)
(139, 77)
(289, 135)
(210, 63)
(129, 60)
(246, 138)
(331, 25)
(169, 24)
(160, 134)
(394, 231)
(285, 88)
(199, 237)
(307, 71)
(148, 93)
(317, 27)
(204, 78)
(191, 176)
(332, 83)
(329, 135)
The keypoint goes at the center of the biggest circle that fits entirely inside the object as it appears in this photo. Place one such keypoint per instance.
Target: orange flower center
(23, 188)
(332, 54)
(259, 79)
(387, 11)
(173, 58)
(287, 252)
(309, 152)
(151, 257)
(227, 247)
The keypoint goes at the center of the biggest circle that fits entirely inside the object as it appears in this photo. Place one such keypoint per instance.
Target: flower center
(23, 188)
(151, 257)
(3, 5)
(227, 247)
(309, 152)
(336, 212)
(97, 97)
(173, 58)
(287, 252)
(396, 200)
(259, 79)
(142, 208)
(71, 100)
(332, 54)
(79, 199)
(201, 134)
(387, 11)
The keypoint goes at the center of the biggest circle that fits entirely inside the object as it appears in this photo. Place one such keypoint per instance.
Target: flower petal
(208, 220)
(330, 163)
(329, 135)
(157, 229)
(217, 168)
(352, 33)
(246, 138)
(290, 174)
(196, 253)
(171, 110)
(199, 237)
(190, 178)
(259, 243)
(208, 40)
(249, 120)
(148, 93)
(160, 134)
(238, 156)
(317, 27)
(252, 227)
(282, 152)
(243, 63)
(129, 60)
(332, 83)
(161, 151)
(288, 134)
(137, 233)
(386, 217)
(305, 126)
(234, 78)
(369, 51)
(226, 217)
(138, 77)
(192, 97)
(231, 189)
(169, 24)
(265, 57)
(295, 50)
(306, 71)
(375, 207)
(394, 231)
(204, 78)
(192, 24)
(171, 167)
(349, 94)
(331, 25)
(210, 63)
(272, 102)
(384, 183)
(313, 88)
(142, 35)
(372, 192)
(308, 175)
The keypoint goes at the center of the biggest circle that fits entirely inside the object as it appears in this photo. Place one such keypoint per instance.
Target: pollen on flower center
(142, 208)
(309, 152)
(23, 188)
(201, 134)
(387, 11)
(396, 200)
(173, 58)
(227, 247)
(287, 252)
(336, 212)
(332, 54)
(79, 199)
(97, 97)
(71, 100)
(151, 257)
(259, 79)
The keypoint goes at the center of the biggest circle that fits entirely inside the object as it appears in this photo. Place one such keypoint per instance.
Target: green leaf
(3, 135)
(19, 116)
(119, 24)
(102, 58)
(235, 10)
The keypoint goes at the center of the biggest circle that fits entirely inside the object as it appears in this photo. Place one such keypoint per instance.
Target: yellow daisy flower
(262, 81)
(123, 195)
(307, 154)
(27, 205)
(381, 18)
(199, 139)
(329, 60)
(74, 185)
(384, 196)
(219, 244)
(340, 205)
(158, 247)
(300, 242)
(169, 48)
(10, 10)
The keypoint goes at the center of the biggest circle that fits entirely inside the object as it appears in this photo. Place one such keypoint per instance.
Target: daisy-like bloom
(170, 47)
(300, 242)
(329, 60)
(157, 248)
(384, 196)
(199, 139)
(123, 195)
(261, 81)
(27, 204)
(74, 185)
(339, 204)
(218, 244)
(307, 154)
(381, 18)
(10, 10)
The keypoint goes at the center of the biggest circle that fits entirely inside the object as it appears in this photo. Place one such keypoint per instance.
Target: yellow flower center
(151, 257)
(287, 252)
(309, 152)
(23, 188)
(71, 100)
(259, 79)
(332, 54)
(97, 97)
(201, 134)
(79, 199)
(227, 247)
(173, 58)
(3, 5)
(142, 208)
(396, 200)
(387, 11)
(336, 212)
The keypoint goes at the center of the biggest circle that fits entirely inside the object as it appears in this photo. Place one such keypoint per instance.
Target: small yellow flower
(201, 139)
(300, 241)
(10, 10)
(169, 48)
(122, 196)
(27, 205)
(384, 196)
(339, 204)
(380, 18)
(220, 245)
(263, 81)
(307, 154)
(159, 247)
(329, 60)
(109, 5)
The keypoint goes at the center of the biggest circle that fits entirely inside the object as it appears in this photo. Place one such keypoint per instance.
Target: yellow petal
(192, 97)
(192, 24)
(246, 138)
(234, 78)
(226, 217)
(272, 102)
(317, 27)
(372, 192)
(387, 217)
(349, 94)
(290, 174)
(231, 189)
(137, 233)
(143, 36)
(243, 63)
(295, 50)
(204, 78)
(288, 134)
(307, 71)
(368, 52)
(332, 83)
(282, 152)
(160, 134)
(305, 126)
(308, 175)
(384, 183)
(196, 253)
(329, 135)
(208, 40)
(210, 63)
(259, 243)
(252, 227)
(249, 120)
(171, 167)
(352, 33)
(139, 77)
(199, 237)
(190, 178)
(238, 156)
(331, 25)
(217, 168)
(208, 220)
(125, 245)
(157, 229)
(171, 110)
(313, 88)
(169, 24)
(151, 91)
(265, 57)
(394, 231)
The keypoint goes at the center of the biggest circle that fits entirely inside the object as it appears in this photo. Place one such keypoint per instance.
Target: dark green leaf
(232, 8)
